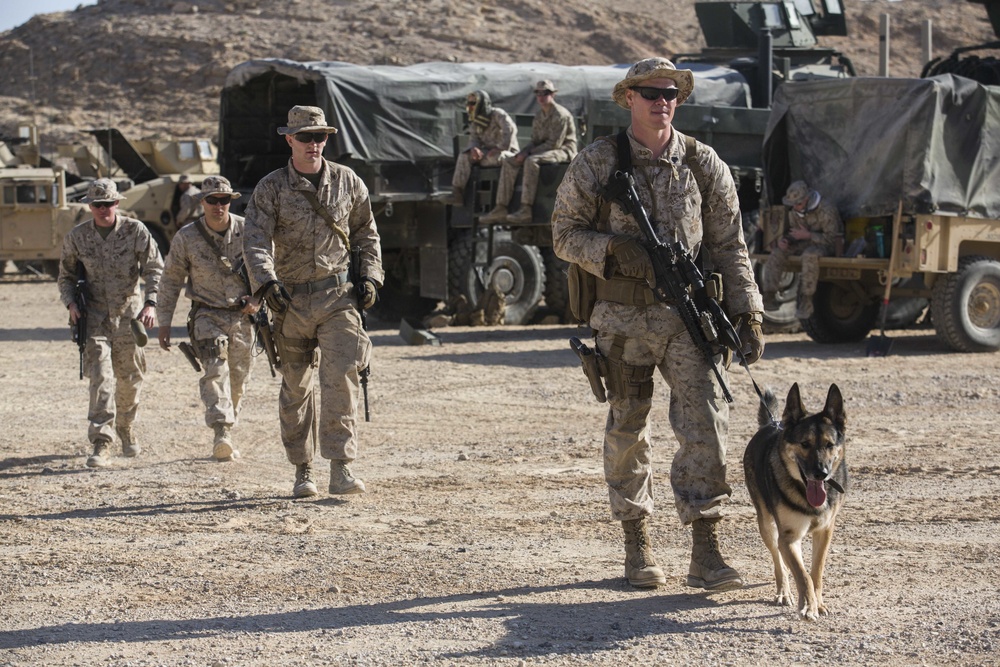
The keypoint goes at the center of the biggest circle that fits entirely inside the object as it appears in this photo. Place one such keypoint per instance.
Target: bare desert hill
(156, 67)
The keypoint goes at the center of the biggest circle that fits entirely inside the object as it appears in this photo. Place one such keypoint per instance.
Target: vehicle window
(186, 150)
(205, 149)
(26, 194)
(8, 195)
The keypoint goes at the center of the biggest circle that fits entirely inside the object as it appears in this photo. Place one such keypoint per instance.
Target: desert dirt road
(485, 537)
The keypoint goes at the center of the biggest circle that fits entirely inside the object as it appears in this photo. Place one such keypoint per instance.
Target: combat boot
(130, 447)
(304, 487)
(496, 216)
(708, 570)
(641, 569)
(342, 482)
(521, 216)
(222, 449)
(100, 458)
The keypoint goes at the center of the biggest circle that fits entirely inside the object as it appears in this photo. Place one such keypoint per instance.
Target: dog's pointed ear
(794, 410)
(834, 409)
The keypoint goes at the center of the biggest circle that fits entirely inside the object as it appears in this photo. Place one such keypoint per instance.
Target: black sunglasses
(310, 137)
(103, 204)
(218, 200)
(653, 94)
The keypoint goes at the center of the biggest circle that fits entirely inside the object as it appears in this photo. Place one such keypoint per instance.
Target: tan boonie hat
(654, 68)
(306, 119)
(797, 193)
(103, 189)
(544, 85)
(217, 185)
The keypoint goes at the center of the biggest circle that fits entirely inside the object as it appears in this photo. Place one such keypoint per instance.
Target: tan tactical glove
(748, 328)
(367, 293)
(633, 260)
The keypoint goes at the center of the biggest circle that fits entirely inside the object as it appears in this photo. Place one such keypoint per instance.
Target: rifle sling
(202, 228)
(322, 211)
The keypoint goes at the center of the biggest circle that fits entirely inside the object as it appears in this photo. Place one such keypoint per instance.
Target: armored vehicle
(911, 165)
(34, 211)
(147, 172)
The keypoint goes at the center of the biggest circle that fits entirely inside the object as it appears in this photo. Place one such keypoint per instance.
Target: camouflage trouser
(529, 182)
(329, 320)
(809, 277)
(224, 340)
(463, 166)
(116, 366)
(698, 415)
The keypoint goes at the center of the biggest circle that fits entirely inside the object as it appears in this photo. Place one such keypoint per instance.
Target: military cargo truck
(907, 159)
(401, 129)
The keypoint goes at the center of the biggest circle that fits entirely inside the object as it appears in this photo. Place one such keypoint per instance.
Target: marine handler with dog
(301, 223)
(690, 196)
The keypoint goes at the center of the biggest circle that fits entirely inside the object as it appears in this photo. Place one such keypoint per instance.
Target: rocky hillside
(155, 67)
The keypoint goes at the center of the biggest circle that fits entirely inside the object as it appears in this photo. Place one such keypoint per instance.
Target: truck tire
(965, 306)
(840, 315)
(517, 269)
(556, 287)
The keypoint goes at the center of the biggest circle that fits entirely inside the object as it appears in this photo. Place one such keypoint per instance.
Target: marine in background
(110, 254)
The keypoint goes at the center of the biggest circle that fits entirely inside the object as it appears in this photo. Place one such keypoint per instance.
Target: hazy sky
(15, 12)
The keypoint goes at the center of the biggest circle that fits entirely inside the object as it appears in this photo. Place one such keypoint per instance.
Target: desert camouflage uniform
(553, 139)
(501, 132)
(221, 334)
(112, 360)
(651, 336)
(307, 250)
(826, 227)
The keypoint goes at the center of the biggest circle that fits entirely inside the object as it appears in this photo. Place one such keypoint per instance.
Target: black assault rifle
(263, 333)
(80, 299)
(360, 288)
(680, 283)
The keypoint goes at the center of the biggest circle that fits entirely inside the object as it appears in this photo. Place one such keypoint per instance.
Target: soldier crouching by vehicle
(111, 253)
(206, 255)
(691, 198)
(303, 223)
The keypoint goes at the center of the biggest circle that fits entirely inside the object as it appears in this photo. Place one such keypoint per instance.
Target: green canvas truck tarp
(866, 143)
(410, 114)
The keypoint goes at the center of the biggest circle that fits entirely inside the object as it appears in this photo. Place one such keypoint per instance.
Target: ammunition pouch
(295, 350)
(211, 348)
(582, 287)
(627, 381)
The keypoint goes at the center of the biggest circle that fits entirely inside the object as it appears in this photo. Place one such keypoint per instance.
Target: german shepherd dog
(796, 474)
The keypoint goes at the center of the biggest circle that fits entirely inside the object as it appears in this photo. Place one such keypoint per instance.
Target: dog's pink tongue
(815, 492)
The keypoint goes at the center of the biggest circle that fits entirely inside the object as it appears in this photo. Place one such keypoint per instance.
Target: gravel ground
(485, 537)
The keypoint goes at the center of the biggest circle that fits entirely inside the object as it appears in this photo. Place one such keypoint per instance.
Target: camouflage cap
(217, 185)
(654, 68)
(797, 193)
(545, 84)
(306, 119)
(103, 189)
